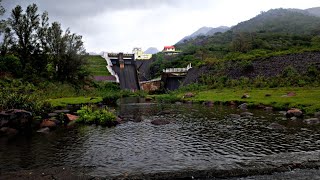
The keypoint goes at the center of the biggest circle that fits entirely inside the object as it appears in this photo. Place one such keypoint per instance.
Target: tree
(25, 26)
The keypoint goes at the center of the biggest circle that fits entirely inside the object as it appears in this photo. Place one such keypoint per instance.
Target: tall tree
(25, 26)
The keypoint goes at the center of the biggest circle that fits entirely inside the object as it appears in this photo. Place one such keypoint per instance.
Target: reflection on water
(197, 138)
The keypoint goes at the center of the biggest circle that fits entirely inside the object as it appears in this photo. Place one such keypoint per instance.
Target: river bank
(304, 98)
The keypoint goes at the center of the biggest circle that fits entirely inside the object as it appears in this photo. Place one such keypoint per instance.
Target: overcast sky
(120, 25)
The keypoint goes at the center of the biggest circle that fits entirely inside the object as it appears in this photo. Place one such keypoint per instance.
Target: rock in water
(243, 106)
(16, 119)
(312, 121)
(48, 123)
(294, 112)
(71, 117)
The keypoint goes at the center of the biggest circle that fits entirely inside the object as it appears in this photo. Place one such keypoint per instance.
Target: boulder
(294, 112)
(245, 96)
(45, 130)
(312, 121)
(317, 115)
(71, 117)
(16, 119)
(243, 106)
(48, 123)
(160, 122)
(276, 126)
(188, 95)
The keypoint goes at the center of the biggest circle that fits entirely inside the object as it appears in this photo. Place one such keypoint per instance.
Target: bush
(87, 115)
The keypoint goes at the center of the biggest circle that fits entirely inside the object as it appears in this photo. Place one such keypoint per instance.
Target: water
(197, 138)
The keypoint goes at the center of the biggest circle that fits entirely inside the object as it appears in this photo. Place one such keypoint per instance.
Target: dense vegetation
(273, 33)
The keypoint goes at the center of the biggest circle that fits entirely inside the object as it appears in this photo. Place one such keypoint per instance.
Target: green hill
(281, 21)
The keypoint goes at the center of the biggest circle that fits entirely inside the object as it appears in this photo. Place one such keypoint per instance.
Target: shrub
(87, 115)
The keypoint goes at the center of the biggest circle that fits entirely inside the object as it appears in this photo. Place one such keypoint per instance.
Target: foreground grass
(97, 65)
(306, 99)
(73, 100)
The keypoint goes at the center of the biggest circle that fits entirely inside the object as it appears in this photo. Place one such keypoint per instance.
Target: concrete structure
(172, 77)
(123, 67)
(140, 55)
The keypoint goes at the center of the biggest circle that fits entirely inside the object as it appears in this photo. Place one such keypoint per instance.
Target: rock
(45, 130)
(6, 131)
(208, 103)
(48, 123)
(294, 112)
(312, 121)
(53, 114)
(188, 95)
(61, 111)
(160, 122)
(276, 126)
(268, 108)
(246, 114)
(148, 99)
(243, 106)
(245, 96)
(71, 117)
(267, 95)
(317, 115)
(16, 119)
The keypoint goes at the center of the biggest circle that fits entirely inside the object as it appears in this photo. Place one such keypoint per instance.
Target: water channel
(198, 138)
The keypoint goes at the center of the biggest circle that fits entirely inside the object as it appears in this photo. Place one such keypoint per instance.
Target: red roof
(169, 47)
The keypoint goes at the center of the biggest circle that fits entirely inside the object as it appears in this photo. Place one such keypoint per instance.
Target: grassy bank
(305, 98)
(97, 66)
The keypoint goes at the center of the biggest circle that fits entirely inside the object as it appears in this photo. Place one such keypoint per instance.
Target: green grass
(306, 99)
(73, 100)
(97, 66)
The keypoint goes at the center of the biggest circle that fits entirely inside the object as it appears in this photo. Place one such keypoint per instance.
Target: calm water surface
(197, 138)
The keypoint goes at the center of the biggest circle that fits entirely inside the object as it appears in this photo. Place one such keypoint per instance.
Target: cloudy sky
(120, 25)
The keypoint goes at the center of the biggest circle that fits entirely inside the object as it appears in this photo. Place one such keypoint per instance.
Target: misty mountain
(204, 31)
(221, 29)
(293, 21)
(151, 50)
(314, 11)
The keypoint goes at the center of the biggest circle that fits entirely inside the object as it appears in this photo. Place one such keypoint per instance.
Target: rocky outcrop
(273, 66)
(17, 119)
